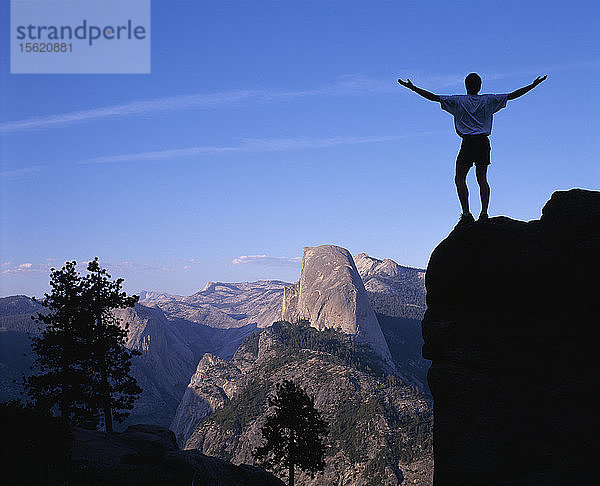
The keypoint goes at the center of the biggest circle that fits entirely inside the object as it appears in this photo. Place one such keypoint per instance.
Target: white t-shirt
(473, 113)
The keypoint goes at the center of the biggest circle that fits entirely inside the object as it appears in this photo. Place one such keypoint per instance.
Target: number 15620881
(46, 47)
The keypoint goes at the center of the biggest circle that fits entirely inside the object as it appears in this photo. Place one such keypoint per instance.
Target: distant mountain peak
(224, 305)
(331, 294)
(152, 296)
(368, 265)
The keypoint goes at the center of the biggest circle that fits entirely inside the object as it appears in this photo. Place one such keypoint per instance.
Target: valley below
(348, 332)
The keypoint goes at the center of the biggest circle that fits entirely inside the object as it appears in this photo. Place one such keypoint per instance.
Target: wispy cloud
(130, 109)
(345, 85)
(246, 145)
(9, 268)
(137, 266)
(252, 145)
(270, 261)
(24, 171)
(349, 84)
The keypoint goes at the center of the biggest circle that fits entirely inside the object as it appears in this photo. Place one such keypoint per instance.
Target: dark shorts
(474, 149)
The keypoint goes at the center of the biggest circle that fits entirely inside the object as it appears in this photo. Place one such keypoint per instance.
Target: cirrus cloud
(267, 260)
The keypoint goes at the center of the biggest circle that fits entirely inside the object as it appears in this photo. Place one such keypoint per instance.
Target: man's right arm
(424, 93)
(525, 89)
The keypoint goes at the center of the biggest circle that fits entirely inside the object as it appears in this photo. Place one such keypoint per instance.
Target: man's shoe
(465, 220)
(483, 218)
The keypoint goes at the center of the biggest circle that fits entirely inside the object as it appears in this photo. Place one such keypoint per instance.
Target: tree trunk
(105, 391)
(108, 424)
(291, 460)
(108, 419)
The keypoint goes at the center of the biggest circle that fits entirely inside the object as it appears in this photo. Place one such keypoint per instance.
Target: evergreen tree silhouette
(82, 363)
(61, 351)
(293, 434)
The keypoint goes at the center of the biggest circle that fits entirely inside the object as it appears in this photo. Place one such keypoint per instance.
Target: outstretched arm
(424, 93)
(525, 89)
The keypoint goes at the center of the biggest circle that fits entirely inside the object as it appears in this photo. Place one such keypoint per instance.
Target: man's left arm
(521, 91)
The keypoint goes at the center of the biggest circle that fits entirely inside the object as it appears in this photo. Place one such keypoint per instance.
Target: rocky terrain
(379, 426)
(186, 343)
(212, 386)
(171, 349)
(147, 454)
(331, 294)
(41, 450)
(164, 328)
(224, 305)
(512, 326)
(393, 290)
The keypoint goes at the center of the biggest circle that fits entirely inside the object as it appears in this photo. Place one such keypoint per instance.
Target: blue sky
(268, 126)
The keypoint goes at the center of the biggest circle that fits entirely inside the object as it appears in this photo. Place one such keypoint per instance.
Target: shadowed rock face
(511, 327)
(331, 294)
(15, 347)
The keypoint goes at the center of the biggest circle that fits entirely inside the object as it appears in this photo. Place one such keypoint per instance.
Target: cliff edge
(511, 329)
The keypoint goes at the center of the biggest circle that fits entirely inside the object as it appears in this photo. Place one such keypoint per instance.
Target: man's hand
(525, 89)
(424, 93)
(407, 84)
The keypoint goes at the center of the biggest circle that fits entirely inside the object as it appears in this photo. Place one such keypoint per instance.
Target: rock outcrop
(212, 385)
(394, 290)
(147, 454)
(512, 326)
(331, 294)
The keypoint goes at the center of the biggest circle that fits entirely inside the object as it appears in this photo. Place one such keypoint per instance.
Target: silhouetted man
(473, 115)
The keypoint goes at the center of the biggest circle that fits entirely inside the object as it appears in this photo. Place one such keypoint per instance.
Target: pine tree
(81, 357)
(109, 360)
(294, 433)
(61, 351)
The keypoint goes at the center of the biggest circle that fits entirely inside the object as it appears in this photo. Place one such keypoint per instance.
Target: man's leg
(484, 187)
(460, 179)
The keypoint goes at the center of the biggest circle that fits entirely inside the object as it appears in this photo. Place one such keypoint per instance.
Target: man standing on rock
(473, 115)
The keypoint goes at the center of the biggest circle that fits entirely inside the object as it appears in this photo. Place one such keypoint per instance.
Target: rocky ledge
(511, 327)
(148, 454)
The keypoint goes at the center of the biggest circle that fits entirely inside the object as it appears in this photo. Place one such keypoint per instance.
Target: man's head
(473, 83)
